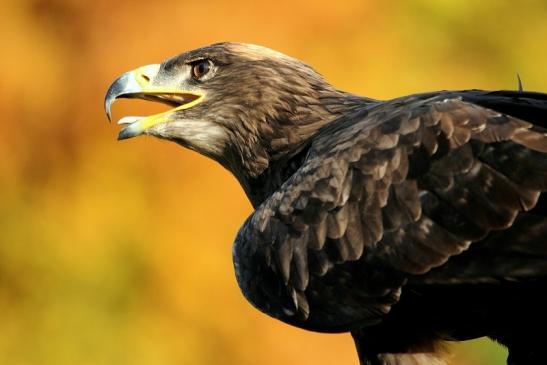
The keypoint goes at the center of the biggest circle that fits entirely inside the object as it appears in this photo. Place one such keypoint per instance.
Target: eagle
(406, 222)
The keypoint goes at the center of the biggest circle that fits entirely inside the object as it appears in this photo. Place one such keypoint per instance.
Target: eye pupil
(201, 68)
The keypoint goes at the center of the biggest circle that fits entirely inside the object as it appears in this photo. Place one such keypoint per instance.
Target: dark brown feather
(400, 188)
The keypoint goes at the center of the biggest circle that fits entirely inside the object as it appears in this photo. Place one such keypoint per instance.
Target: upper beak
(142, 83)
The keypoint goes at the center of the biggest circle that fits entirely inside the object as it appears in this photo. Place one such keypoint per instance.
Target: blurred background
(120, 252)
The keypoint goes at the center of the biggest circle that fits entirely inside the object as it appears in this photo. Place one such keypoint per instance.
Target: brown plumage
(406, 222)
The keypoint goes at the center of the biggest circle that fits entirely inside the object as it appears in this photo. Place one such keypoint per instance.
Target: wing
(386, 194)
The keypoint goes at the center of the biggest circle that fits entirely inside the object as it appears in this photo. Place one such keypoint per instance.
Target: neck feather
(263, 163)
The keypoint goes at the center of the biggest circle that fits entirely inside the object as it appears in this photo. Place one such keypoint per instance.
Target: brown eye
(200, 69)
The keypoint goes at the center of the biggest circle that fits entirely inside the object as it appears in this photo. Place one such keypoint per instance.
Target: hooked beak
(143, 83)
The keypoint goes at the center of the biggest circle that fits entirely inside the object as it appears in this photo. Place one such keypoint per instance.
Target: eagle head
(242, 105)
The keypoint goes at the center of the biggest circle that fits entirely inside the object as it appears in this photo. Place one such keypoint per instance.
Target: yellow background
(120, 252)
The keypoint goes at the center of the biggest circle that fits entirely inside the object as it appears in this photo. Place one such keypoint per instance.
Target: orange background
(120, 253)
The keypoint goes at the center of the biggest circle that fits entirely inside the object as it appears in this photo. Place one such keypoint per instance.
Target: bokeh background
(120, 252)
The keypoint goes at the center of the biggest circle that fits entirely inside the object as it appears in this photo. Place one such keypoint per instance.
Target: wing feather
(392, 193)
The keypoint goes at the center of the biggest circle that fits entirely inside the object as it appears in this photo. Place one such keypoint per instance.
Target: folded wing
(396, 192)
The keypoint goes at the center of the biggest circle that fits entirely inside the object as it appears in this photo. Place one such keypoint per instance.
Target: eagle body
(406, 222)
(450, 245)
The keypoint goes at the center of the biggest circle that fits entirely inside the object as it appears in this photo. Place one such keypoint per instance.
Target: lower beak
(140, 84)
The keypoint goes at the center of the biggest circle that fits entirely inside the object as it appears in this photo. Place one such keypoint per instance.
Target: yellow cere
(144, 74)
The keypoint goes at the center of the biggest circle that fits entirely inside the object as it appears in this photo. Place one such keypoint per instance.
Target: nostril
(146, 78)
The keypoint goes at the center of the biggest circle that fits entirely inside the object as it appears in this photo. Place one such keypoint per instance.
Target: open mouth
(137, 85)
(136, 125)
(173, 99)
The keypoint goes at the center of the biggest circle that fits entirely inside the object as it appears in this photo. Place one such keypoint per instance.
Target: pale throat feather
(203, 136)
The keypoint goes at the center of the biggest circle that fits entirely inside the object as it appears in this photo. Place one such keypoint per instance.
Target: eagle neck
(284, 160)
(259, 188)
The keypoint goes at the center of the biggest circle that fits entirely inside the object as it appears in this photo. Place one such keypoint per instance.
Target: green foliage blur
(120, 252)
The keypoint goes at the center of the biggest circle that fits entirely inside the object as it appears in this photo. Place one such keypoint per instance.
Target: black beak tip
(124, 134)
(122, 86)
(108, 106)
(130, 131)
